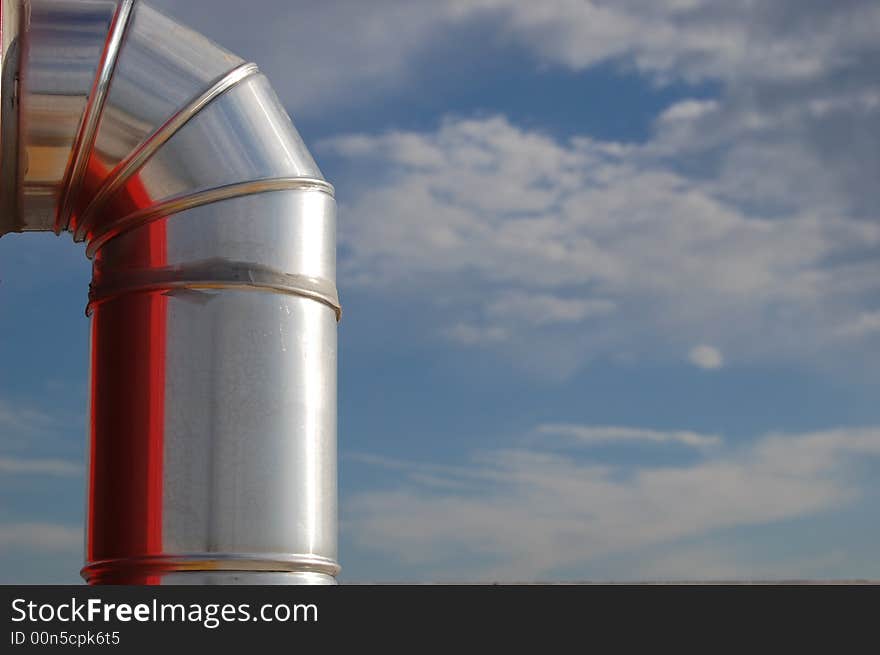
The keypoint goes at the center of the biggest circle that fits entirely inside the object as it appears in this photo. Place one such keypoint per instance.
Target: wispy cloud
(594, 434)
(343, 47)
(864, 325)
(54, 467)
(40, 536)
(522, 514)
(696, 39)
(541, 309)
(24, 419)
(471, 335)
(719, 561)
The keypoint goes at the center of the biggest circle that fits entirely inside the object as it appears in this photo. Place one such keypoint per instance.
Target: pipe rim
(222, 562)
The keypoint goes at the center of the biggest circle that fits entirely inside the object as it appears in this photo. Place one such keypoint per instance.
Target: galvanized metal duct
(213, 301)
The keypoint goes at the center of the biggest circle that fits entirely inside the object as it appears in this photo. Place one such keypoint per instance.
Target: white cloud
(472, 335)
(594, 248)
(40, 536)
(343, 49)
(695, 39)
(523, 514)
(706, 357)
(687, 110)
(589, 434)
(546, 309)
(865, 324)
(24, 420)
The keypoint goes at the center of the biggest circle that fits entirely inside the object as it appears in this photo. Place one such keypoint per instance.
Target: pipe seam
(88, 129)
(152, 143)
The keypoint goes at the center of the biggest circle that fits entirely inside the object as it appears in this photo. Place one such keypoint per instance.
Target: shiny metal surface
(213, 300)
(216, 274)
(241, 578)
(174, 205)
(162, 67)
(129, 166)
(61, 48)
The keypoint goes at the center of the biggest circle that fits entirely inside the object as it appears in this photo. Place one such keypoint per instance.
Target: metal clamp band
(88, 128)
(215, 274)
(186, 201)
(142, 153)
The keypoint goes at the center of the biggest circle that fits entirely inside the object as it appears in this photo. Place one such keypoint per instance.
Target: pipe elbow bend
(213, 408)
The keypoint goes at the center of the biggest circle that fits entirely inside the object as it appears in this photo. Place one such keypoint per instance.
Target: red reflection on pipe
(127, 406)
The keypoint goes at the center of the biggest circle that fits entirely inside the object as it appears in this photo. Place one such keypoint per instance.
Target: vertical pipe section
(240, 364)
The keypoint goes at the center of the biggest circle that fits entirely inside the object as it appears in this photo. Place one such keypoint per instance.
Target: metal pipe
(213, 302)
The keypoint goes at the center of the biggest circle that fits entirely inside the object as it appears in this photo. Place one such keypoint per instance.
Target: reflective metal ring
(157, 564)
(186, 201)
(215, 274)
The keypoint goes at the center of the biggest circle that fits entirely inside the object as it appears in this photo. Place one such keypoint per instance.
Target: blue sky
(611, 290)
